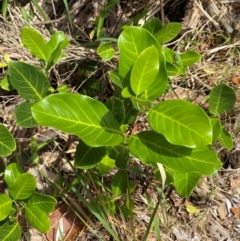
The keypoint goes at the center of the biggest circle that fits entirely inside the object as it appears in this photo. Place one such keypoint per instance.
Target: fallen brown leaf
(64, 222)
(235, 80)
(236, 211)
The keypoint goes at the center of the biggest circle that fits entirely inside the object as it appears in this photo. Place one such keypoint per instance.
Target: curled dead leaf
(64, 223)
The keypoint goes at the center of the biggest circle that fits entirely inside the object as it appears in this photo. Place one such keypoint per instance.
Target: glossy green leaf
(34, 42)
(11, 173)
(181, 69)
(119, 182)
(54, 58)
(106, 51)
(58, 39)
(10, 232)
(105, 165)
(169, 55)
(144, 70)
(114, 77)
(151, 147)
(186, 182)
(5, 206)
(87, 157)
(216, 127)
(37, 218)
(54, 48)
(130, 47)
(126, 93)
(225, 139)
(23, 187)
(138, 103)
(182, 123)
(63, 88)
(221, 99)
(124, 128)
(153, 25)
(130, 112)
(159, 85)
(116, 106)
(45, 202)
(5, 84)
(4, 4)
(7, 142)
(189, 57)
(29, 81)
(24, 116)
(121, 156)
(172, 70)
(80, 115)
(168, 32)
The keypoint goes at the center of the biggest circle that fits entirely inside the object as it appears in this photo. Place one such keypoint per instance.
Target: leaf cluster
(182, 133)
(23, 200)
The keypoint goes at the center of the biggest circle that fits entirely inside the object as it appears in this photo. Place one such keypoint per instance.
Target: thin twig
(211, 51)
(206, 14)
(162, 12)
(50, 22)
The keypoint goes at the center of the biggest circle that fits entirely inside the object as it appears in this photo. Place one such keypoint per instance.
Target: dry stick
(54, 9)
(211, 51)
(212, 8)
(154, 9)
(162, 12)
(178, 40)
(199, 80)
(194, 37)
(50, 22)
(113, 29)
(206, 14)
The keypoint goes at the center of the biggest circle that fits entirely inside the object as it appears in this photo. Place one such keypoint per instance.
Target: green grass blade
(153, 219)
(68, 14)
(80, 218)
(4, 8)
(40, 10)
(96, 211)
(93, 206)
(42, 13)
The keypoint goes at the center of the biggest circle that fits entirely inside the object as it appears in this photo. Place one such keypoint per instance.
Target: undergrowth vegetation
(178, 146)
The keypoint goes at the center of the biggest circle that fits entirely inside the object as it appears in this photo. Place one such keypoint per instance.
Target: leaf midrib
(181, 124)
(30, 85)
(170, 151)
(22, 187)
(81, 123)
(37, 46)
(35, 217)
(9, 234)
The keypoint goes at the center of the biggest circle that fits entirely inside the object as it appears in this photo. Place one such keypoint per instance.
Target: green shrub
(182, 133)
